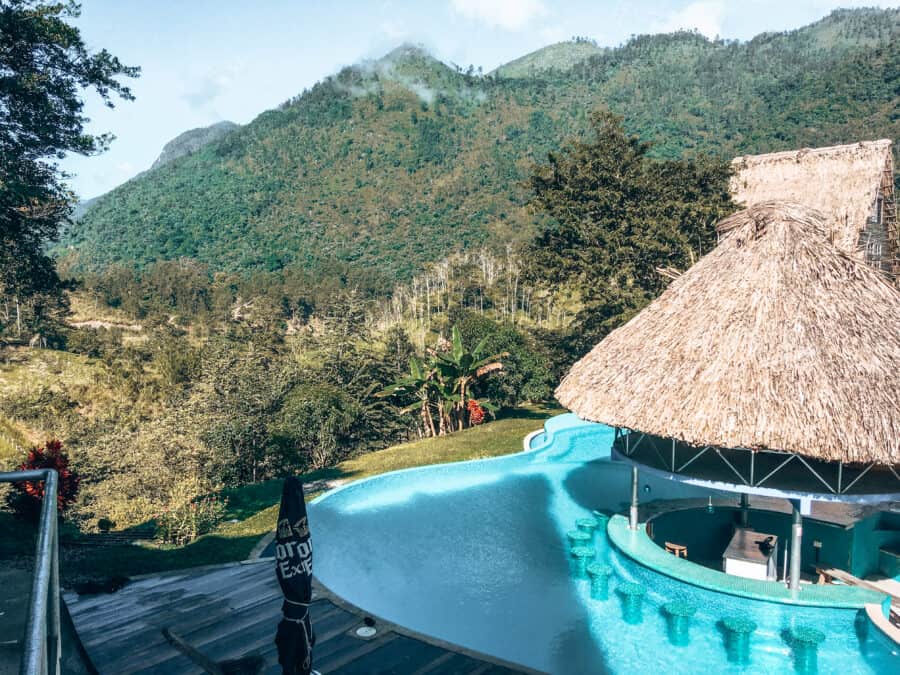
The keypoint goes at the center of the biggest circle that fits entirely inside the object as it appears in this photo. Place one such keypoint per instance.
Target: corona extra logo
(301, 527)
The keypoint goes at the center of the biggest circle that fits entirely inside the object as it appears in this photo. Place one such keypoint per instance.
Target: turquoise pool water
(476, 553)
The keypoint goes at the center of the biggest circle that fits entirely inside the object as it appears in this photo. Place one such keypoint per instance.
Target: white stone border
(876, 616)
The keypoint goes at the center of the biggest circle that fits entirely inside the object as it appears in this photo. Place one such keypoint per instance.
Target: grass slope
(256, 506)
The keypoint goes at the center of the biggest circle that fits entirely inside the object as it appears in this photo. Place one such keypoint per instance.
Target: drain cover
(366, 631)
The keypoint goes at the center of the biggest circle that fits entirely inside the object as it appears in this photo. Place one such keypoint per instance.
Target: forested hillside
(393, 163)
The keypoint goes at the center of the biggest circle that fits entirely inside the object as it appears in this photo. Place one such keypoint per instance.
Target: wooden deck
(231, 611)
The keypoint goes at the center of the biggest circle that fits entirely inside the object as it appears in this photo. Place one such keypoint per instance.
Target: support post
(633, 511)
(796, 541)
(745, 509)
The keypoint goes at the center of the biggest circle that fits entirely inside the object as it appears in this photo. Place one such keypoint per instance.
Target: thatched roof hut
(853, 185)
(774, 340)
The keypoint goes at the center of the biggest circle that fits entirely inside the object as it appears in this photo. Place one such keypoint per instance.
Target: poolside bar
(768, 370)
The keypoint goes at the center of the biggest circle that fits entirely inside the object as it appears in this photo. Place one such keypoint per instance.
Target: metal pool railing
(42, 647)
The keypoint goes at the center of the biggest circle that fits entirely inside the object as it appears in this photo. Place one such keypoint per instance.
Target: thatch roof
(841, 181)
(773, 340)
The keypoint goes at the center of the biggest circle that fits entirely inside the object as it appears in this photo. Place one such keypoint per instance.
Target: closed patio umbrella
(293, 566)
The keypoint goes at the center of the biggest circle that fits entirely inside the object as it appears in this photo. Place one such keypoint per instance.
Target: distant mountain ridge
(560, 56)
(191, 141)
(395, 162)
(183, 144)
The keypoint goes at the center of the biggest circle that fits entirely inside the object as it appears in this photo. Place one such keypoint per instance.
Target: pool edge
(549, 431)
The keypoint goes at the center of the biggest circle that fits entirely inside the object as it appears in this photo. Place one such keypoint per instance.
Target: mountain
(191, 141)
(561, 56)
(82, 207)
(396, 162)
(183, 144)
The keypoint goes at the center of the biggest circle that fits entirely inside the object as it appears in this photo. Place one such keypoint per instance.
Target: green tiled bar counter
(638, 546)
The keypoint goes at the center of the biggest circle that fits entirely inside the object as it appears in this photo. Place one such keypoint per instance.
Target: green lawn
(256, 506)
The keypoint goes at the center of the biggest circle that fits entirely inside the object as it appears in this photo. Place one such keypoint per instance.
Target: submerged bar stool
(578, 538)
(738, 629)
(583, 556)
(587, 525)
(601, 518)
(599, 574)
(678, 616)
(632, 600)
(804, 641)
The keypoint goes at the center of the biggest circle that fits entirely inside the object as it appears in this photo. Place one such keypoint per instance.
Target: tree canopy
(44, 68)
(617, 216)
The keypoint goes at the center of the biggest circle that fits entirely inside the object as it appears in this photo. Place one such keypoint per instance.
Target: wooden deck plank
(233, 611)
(850, 580)
(105, 611)
(353, 650)
(192, 616)
(153, 647)
(105, 623)
(135, 606)
(401, 655)
(449, 663)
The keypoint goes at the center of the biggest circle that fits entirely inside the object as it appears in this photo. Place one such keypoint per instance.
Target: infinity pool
(475, 553)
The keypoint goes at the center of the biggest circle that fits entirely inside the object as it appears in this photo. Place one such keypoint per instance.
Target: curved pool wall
(475, 553)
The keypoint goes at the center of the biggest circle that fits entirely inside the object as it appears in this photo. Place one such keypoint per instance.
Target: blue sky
(209, 60)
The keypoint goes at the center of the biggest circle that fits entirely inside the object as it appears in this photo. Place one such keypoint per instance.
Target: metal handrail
(42, 649)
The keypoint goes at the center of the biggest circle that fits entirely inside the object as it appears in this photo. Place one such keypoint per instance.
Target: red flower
(50, 457)
(476, 412)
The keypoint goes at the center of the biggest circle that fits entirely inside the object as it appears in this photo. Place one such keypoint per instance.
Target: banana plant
(443, 385)
(420, 382)
(460, 369)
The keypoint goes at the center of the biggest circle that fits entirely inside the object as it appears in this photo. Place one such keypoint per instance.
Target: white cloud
(705, 16)
(201, 90)
(552, 34)
(393, 30)
(511, 15)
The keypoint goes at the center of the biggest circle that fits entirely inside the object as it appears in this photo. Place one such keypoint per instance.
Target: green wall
(855, 549)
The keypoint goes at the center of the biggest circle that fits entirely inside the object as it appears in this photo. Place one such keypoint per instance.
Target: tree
(617, 216)
(240, 390)
(44, 67)
(526, 375)
(317, 426)
(459, 369)
(444, 383)
(423, 385)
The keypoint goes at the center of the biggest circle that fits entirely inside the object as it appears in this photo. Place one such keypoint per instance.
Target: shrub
(93, 342)
(185, 519)
(316, 427)
(27, 496)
